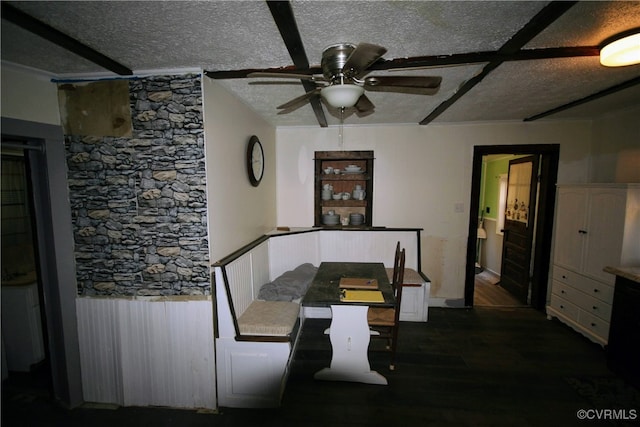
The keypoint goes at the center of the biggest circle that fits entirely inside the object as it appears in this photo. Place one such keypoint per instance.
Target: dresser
(596, 225)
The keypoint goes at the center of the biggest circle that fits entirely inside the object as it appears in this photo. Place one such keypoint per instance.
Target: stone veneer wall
(139, 204)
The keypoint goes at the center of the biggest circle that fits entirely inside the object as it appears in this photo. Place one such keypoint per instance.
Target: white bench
(256, 340)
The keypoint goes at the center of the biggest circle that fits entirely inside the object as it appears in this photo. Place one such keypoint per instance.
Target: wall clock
(255, 161)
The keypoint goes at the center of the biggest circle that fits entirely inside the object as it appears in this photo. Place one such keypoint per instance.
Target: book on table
(358, 283)
(360, 295)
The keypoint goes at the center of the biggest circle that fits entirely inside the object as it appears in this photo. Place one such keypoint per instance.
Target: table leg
(349, 337)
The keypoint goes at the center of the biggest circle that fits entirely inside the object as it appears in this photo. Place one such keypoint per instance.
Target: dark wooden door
(518, 226)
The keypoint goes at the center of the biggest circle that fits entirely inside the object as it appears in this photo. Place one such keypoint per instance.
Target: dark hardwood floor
(464, 367)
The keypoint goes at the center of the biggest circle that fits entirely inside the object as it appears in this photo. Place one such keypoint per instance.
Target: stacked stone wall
(139, 204)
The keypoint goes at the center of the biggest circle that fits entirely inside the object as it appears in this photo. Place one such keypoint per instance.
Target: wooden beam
(592, 97)
(429, 61)
(537, 24)
(49, 33)
(288, 27)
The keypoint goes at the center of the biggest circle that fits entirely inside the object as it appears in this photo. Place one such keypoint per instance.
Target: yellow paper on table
(350, 295)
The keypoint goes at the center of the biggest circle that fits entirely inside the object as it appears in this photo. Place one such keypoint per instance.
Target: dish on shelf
(346, 172)
(331, 219)
(337, 196)
(352, 168)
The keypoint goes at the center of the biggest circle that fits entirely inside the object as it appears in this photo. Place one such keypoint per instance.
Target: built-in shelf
(343, 182)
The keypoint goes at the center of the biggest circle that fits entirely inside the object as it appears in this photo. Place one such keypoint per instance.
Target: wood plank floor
(464, 367)
(488, 292)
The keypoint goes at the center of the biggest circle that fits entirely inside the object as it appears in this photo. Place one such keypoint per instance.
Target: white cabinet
(597, 225)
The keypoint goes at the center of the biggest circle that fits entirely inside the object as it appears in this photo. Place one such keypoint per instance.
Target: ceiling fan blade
(361, 58)
(424, 82)
(403, 84)
(364, 104)
(298, 102)
(286, 76)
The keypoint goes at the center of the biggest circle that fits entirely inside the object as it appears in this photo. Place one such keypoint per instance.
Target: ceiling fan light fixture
(621, 52)
(342, 96)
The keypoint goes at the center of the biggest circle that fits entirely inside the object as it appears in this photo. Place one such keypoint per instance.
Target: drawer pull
(562, 291)
(593, 325)
(596, 290)
(595, 307)
(561, 306)
(564, 277)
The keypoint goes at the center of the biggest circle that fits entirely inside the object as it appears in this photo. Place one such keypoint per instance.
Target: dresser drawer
(594, 324)
(563, 306)
(592, 305)
(564, 291)
(589, 286)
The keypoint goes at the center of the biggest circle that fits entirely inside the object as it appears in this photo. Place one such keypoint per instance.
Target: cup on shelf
(336, 171)
(328, 170)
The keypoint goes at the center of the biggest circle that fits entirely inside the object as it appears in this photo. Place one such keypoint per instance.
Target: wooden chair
(384, 322)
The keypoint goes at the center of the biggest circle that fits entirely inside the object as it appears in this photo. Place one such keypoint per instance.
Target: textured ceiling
(235, 35)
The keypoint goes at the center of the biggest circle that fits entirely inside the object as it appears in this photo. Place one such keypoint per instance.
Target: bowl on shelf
(337, 196)
(352, 168)
(356, 219)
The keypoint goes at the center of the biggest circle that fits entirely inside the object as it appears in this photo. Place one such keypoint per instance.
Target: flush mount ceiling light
(622, 51)
(343, 95)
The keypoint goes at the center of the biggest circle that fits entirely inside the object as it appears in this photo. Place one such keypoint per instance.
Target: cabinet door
(605, 231)
(570, 220)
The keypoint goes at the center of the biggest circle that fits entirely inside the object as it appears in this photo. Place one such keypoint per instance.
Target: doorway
(25, 359)
(539, 258)
(54, 255)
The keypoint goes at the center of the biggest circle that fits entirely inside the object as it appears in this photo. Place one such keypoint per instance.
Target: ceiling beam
(288, 27)
(602, 93)
(433, 61)
(47, 32)
(537, 24)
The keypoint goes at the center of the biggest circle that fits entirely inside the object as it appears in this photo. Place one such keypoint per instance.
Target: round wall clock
(255, 161)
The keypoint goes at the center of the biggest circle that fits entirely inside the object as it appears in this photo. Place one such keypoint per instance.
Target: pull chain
(341, 129)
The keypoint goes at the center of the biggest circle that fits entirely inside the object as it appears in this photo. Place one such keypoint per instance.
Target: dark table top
(324, 290)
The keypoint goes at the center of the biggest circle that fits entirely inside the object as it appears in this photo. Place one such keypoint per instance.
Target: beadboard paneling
(140, 352)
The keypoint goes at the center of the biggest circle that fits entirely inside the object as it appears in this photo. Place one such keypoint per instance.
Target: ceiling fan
(344, 79)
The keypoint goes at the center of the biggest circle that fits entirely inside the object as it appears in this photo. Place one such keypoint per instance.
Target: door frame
(47, 163)
(549, 161)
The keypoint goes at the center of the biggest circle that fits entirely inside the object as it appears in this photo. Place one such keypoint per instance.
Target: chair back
(396, 260)
(397, 284)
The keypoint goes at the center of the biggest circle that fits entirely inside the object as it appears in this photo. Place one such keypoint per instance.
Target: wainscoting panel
(98, 336)
(240, 275)
(260, 265)
(289, 251)
(365, 246)
(147, 352)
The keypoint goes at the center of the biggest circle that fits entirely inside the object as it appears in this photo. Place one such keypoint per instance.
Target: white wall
(238, 212)
(29, 96)
(616, 147)
(421, 174)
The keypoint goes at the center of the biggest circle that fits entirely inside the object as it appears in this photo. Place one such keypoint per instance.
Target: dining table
(349, 332)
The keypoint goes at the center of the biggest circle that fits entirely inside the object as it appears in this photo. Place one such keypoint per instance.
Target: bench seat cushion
(269, 318)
